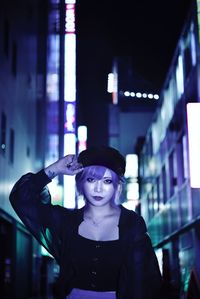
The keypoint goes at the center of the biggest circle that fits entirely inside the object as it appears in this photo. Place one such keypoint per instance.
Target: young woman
(103, 249)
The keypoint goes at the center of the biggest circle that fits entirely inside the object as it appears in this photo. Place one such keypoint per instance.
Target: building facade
(168, 198)
(32, 122)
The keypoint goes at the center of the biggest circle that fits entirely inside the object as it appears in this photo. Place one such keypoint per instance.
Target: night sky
(145, 30)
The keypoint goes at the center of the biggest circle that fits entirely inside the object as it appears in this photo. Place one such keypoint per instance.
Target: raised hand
(67, 165)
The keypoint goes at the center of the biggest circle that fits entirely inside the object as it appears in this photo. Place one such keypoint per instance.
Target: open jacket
(54, 226)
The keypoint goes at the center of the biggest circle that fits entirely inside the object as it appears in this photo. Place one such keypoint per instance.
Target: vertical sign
(70, 98)
(82, 138)
(193, 122)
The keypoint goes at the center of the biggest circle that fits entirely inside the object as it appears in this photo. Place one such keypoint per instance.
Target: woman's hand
(67, 165)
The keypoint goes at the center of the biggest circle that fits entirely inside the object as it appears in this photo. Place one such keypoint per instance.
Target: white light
(82, 138)
(70, 117)
(56, 192)
(193, 49)
(159, 254)
(70, 18)
(141, 95)
(132, 191)
(156, 96)
(69, 192)
(70, 1)
(144, 95)
(69, 144)
(82, 133)
(80, 201)
(180, 76)
(127, 93)
(130, 204)
(150, 96)
(69, 181)
(110, 87)
(152, 165)
(131, 166)
(45, 252)
(138, 95)
(70, 96)
(193, 122)
(52, 87)
(155, 206)
(70, 68)
(161, 206)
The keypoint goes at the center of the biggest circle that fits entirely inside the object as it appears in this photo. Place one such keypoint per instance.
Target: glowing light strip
(143, 95)
(193, 122)
(82, 138)
(70, 68)
(180, 76)
(70, 18)
(70, 99)
(70, 1)
(198, 16)
(69, 181)
(110, 87)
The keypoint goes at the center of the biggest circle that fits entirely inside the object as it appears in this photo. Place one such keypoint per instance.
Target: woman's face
(99, 192)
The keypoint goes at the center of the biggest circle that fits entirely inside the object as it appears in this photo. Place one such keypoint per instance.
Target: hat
(103, 156)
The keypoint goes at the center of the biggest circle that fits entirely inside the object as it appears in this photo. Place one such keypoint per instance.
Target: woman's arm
(31, 201)
(146, 274)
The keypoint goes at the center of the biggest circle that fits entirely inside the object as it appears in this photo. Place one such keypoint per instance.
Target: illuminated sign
(82, 138)
(69, 118)
(70, 18)
(193, 122)
(70, 99)
(132, 186)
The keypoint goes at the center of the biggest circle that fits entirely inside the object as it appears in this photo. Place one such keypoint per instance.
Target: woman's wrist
(51, 171)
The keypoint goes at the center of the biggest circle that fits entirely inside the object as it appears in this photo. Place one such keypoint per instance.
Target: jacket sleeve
(31, 200)
(143, 266)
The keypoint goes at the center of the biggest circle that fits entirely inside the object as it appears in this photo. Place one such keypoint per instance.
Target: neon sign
(193, 122)
(70, 18)
(70, 98)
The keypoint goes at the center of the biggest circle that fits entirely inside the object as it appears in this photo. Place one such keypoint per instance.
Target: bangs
(95, 171)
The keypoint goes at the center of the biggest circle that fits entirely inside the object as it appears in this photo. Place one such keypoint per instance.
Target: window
(180, 162)
(172, 173)
(164, 184)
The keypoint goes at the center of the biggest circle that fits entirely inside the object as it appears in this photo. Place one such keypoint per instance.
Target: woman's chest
(103, 231)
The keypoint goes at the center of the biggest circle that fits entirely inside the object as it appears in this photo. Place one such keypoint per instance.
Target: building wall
(168, 203)
(18, 73)
(125, 127)
(19, 122)
(131, 127)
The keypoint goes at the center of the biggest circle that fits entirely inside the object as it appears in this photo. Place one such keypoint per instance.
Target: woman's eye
(108, 181)
(90, 180)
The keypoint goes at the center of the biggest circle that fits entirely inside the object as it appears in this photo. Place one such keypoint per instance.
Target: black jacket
(53, 226)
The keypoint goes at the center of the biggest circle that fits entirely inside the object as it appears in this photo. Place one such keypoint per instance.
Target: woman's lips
(98, 198)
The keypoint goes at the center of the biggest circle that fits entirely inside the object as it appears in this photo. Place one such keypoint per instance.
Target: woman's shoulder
(130, 214)
(131, 219)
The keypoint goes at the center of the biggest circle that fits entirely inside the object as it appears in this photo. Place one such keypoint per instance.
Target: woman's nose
(98, 186)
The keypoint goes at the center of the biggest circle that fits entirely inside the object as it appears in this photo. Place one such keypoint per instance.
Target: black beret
(103, 156)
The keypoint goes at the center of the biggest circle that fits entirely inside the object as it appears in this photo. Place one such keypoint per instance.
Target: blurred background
(75, 74)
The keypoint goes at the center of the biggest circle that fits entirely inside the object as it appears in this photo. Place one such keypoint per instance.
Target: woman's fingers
(71, 165)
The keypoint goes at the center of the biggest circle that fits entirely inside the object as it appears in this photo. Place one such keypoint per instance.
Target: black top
(97, 264)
